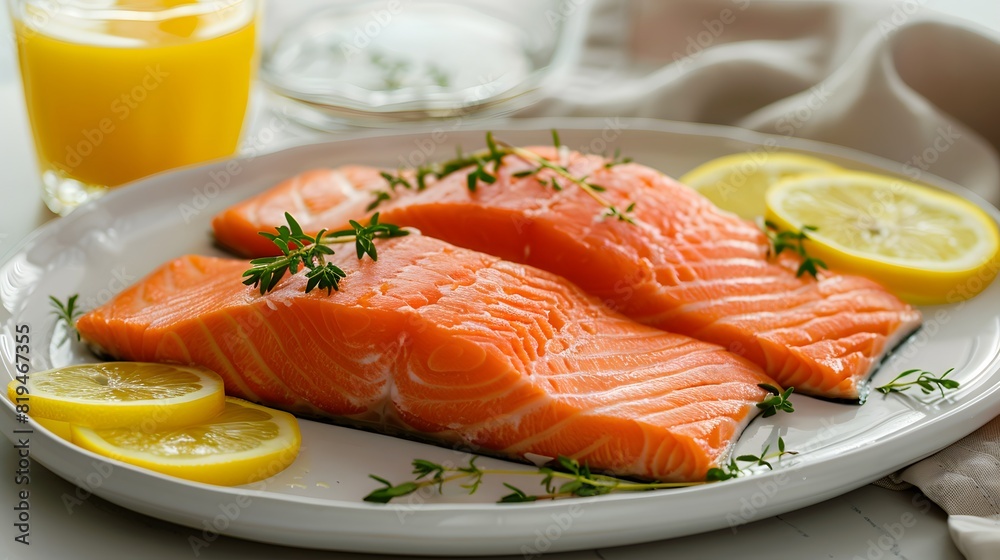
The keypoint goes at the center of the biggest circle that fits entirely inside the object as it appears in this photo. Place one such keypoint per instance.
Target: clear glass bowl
(379, 64)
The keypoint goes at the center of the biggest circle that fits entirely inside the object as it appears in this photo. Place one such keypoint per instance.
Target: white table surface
(855, 525)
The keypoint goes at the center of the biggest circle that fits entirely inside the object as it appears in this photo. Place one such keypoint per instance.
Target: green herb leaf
(384, 495)
(617, 160)
(926, 380)
(302, 251)
(518, 496)
(396, 181)
(781, 241)
(486, 165)
(66, 312)
(576, 479)
(777, 401)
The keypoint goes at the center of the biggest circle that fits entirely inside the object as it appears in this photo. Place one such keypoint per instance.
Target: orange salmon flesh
(452, 345)
(684, 267)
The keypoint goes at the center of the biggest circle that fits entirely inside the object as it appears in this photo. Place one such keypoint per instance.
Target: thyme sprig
(926, 380)
(380, 197)
(393, 70)
(396, 181)
(398, 73)
(794, 242)
(733, 470)
(593, 190)
(486, 164)
(303, 251)
(570, 479)
(579, 481)
(617, 159)
(777, 401)
(66, 312)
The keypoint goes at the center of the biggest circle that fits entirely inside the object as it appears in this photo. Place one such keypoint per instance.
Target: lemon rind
(929, 285)
(225, 468)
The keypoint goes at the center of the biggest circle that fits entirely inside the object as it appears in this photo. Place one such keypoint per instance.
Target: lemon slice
(243, 444)
(61, 429)
(119, 394)
(738, 182)
(925, 245)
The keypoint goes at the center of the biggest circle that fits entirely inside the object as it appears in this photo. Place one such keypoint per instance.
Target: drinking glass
(120, 89)
(387, 63)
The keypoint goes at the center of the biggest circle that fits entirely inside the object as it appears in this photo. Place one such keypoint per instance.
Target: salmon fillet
(452, 346)
(314, 197)
(685, 266)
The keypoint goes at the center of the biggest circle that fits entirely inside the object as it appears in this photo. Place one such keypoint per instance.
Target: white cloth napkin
(964, 480)
(975, 537)
(890, 79)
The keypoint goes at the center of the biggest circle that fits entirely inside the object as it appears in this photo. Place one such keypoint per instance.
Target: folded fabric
(978, 538)
(891, 79)
(964, 479)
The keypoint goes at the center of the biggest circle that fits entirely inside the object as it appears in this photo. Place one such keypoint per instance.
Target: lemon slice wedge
(243, 444)
(737, 183)
(124, 394)
(925, 245)
(60, 429)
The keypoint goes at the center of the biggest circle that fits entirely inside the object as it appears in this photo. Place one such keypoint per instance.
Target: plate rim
(977, 409)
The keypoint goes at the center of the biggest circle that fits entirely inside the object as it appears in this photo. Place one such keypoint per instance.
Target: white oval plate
(316, 502)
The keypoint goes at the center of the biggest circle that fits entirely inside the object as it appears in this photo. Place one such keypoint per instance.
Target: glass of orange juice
(120, 89)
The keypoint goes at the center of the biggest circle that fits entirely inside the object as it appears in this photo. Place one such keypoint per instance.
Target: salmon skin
(685, 266)
(454, 346)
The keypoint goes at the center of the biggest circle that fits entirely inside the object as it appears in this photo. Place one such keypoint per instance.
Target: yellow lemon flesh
(925, 245)
(737, 183)
(124, 394)
(61, 429)
(243, 444)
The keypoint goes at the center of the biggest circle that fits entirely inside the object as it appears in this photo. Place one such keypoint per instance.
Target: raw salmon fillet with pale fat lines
(452, 346)
(314, 197)
(685, 266)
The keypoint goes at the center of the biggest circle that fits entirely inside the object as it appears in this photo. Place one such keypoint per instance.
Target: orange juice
(112, 100)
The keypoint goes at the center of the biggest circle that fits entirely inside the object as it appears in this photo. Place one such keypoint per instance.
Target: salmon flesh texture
(450, 345)
(684, 267)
